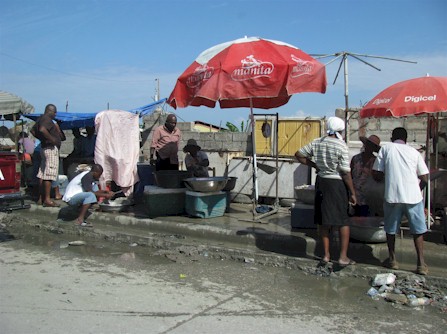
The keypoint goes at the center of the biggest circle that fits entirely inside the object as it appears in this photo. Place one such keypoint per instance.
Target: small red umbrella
(409, 97)
(412, 97)
(248, 72)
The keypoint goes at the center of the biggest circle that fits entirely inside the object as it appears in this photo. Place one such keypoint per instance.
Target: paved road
(49, 287)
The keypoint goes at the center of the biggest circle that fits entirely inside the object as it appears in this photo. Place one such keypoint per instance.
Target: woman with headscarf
(334, 188)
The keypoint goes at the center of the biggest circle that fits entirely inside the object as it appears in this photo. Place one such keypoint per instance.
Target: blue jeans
(82, 198)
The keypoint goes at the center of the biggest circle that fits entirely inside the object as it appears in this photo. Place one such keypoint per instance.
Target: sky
(91, 55)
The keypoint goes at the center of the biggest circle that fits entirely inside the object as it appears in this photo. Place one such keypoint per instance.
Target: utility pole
(157, 90)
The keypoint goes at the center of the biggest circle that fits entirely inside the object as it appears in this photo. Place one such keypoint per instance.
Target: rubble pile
(410, 290)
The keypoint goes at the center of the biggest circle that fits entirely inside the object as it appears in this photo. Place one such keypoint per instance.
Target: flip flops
(422, 270)
(83, 224)
(345, 264)
(50, 205)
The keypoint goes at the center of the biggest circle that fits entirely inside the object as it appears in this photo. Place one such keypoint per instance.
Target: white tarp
(117, 147)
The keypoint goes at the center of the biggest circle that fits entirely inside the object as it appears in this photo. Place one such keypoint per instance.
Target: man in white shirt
(405, 175)
(83, 191)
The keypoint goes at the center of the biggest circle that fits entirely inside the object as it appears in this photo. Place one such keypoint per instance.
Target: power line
(66, 73)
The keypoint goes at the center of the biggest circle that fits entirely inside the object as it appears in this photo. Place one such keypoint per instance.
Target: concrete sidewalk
(270, 240)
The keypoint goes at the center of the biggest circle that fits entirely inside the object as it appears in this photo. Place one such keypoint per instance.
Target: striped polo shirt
(331, 156)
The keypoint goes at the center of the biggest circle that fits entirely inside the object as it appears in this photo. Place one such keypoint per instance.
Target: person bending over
(83, 191)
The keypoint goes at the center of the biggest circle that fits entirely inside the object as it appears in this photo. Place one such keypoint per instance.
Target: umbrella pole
(346, 99)
(255, 165)
(436, 139)
(427, 150)
(276, 161)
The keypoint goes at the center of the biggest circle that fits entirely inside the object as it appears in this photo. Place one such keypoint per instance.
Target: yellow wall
(204, 128)
(292, 135)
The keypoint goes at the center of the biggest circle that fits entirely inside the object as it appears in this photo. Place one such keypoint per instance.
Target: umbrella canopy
(12, 104)
(248, 72)
(409, 97)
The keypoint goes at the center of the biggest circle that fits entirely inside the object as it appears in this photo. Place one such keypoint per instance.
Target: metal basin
(305, 194)
(231, 183)
(206, 184)
(118, 205)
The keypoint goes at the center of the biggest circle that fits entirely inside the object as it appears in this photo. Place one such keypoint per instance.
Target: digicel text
(421, 98)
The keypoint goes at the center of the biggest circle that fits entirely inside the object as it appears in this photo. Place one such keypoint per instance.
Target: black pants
(164, 164)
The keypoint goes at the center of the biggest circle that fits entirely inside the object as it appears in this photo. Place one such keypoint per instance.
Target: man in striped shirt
(334, 188)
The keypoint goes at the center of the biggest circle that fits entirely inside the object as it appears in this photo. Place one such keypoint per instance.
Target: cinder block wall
(240, 142)
(416, 126)
(221, 147)
(218, 142)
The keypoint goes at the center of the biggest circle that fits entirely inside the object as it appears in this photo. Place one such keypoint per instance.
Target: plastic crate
(206, 205)
(163, 201)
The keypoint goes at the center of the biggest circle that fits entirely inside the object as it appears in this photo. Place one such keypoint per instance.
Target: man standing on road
(165, 144)
(50, 136)
(405, 175)
(330, 157)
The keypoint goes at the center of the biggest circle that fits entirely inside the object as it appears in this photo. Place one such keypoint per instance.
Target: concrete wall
(220, 146)
(416, 127)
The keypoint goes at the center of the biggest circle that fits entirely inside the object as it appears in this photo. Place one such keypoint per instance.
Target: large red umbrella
(248, 72)
(412, 97)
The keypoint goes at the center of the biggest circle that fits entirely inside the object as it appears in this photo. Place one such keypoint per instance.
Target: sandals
(83, 224)
(324, 261)
(391, 264)
(345, 264)
(51, 205)
(422, 270)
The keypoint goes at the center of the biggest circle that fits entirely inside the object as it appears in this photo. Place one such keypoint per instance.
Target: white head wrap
(335, 125)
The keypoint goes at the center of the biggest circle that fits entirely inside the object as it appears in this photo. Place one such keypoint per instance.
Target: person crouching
(83, 191)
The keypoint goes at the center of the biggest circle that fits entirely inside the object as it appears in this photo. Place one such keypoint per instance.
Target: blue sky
(112, 52)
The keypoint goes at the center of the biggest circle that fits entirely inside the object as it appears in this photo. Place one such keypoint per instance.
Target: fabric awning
(72, 120)
(12, 104)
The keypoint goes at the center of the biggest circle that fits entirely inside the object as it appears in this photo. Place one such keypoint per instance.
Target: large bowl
(231, 183)
(206, 184)
(171, 178)
(118, 205)
(305, 194)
